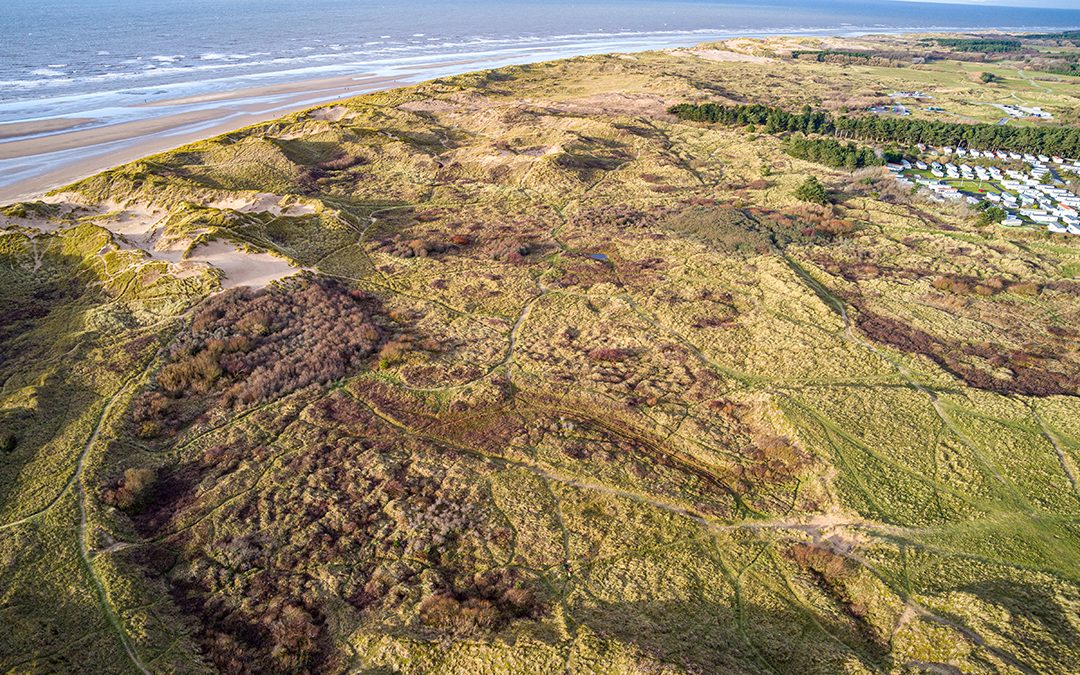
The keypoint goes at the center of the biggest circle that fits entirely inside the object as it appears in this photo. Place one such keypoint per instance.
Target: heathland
(519, 371)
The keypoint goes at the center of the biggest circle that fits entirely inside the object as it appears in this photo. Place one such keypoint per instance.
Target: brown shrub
(246, 346)
(832, 567)
(1031, 374)
(1024, 288)
(394, 351)
(131, 490)
(611, 354)
(343, 162)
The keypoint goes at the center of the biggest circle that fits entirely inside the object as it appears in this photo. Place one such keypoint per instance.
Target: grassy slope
(691, 456)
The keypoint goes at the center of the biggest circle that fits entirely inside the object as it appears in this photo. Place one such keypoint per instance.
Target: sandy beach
(37, 156)
(23, 129)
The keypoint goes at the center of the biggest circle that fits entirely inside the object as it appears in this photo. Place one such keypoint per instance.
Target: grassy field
(561, 384)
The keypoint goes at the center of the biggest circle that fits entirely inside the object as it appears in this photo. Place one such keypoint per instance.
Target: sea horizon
(128, 73)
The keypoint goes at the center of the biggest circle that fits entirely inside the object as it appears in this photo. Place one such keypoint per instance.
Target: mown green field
(560, 384)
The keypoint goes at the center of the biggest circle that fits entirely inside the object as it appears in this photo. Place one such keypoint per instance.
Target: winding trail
(935, 401)
(1063, 458)
(83, 536)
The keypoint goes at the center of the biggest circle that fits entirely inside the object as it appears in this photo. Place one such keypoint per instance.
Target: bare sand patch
(133, 221)
(263, 202)
(39, 224)
(332, 113)
(242, 268)
(41, 221)
(725, 55)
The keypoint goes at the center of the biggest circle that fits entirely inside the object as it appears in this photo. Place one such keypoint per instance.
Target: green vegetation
(982, 45)
(559, 383)
(832, 153)
(991, 214)
(899, 131)
(833, 56)
(990, 78)
(812, 191)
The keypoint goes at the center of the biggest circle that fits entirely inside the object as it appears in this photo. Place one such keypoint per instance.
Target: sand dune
(242, 268)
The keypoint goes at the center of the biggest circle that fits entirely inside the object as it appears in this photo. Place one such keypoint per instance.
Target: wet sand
(62, 152)
(19, 129)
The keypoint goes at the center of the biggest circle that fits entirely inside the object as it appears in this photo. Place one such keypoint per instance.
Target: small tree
(989, 78)
(991, 215)
(132, 489)
(812, 191)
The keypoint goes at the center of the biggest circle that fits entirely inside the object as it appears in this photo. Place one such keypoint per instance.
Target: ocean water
(57, 57)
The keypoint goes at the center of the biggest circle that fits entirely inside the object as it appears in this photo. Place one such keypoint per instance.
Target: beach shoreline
(39, 156)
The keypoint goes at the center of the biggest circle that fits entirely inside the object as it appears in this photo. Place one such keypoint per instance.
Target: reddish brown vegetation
(967, 285)
(353, 517)
(611, 354)
(131, 490)
(831, 567)
(618, 217)
(246, 346)
(775, 459)
(484, 602)
(1030, 374)
(309, 180)
(343, 162)
(396, 350)
(414, 248)
(814, 219)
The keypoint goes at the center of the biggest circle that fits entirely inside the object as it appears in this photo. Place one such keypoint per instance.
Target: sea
(81, 64)
(77, 57)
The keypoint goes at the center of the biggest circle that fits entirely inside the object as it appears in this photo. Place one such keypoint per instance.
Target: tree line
(832, 153)
(825, 55)
(986, 46)
(900, 131)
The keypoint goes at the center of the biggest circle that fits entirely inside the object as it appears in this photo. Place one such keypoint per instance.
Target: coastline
(44, 153)
(38, 156)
